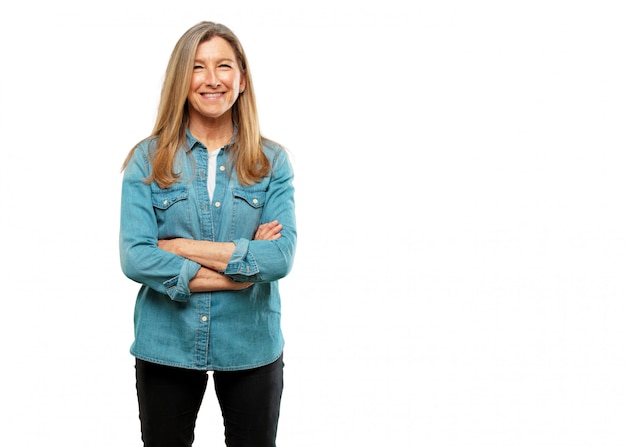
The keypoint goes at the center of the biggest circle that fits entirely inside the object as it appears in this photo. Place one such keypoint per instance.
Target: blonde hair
(246, 152)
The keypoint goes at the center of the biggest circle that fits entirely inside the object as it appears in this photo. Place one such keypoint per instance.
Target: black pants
(170, 398)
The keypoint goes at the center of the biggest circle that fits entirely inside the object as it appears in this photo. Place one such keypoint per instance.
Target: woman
(207, 228)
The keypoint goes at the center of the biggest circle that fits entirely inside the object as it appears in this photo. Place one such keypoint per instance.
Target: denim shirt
(224, 330)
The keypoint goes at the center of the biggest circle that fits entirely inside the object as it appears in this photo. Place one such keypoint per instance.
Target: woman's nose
(211, 79)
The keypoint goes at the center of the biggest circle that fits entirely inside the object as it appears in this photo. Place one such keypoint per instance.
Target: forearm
(212, 255)
(216, 255)
(207, 280)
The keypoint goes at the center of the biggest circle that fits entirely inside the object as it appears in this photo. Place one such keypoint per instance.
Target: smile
(211, 95)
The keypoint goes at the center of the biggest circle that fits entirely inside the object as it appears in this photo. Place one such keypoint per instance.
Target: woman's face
(216, 81)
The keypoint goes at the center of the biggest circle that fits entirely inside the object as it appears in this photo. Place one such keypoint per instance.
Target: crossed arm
(214, 257)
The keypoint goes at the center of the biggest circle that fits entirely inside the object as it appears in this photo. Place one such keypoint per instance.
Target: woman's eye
(225, 66)
(197, 67)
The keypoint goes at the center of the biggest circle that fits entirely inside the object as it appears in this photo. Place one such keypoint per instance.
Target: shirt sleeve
(263, 261)
(141, 259)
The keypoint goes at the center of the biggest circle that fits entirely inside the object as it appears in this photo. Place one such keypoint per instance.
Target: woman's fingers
(268, 231)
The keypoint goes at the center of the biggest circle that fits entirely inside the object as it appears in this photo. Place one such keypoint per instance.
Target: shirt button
(165, 202)
(204, 318)
(222, 168)
(255, 201)
(218, 204)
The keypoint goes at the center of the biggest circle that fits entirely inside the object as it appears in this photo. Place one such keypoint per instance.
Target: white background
(460, 275)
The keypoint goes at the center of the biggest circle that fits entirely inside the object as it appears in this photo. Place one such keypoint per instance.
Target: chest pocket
(247, 209)
(171, 208)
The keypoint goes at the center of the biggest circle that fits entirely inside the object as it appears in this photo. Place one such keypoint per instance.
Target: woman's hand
(269, 231)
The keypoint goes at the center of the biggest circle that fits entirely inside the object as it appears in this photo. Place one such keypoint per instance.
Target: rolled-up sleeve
(263, 261)
(178, 286)
(141, 259)
(242, 265)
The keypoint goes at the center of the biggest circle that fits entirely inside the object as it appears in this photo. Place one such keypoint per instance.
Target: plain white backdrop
(460, 275)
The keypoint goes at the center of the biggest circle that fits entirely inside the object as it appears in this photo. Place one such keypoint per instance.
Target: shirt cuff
(242, 265)
(178, 287)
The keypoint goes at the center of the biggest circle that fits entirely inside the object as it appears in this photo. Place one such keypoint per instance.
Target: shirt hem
(208, 367)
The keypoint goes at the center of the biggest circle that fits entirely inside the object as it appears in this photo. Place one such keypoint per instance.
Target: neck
(212, 133)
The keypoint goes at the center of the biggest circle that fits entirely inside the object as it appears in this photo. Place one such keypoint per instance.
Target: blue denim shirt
(225, 330)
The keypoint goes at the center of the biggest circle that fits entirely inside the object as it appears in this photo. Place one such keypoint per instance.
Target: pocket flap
(255, 199)
(165, 198)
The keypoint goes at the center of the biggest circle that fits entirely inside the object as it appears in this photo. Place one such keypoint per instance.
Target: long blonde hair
(246, 152)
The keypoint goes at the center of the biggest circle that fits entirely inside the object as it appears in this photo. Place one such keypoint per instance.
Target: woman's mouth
(211, 95)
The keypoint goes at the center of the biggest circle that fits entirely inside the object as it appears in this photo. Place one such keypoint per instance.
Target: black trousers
(169, 401)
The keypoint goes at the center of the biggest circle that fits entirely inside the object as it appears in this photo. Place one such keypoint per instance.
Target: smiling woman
(207, 229)
(215, 86)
